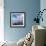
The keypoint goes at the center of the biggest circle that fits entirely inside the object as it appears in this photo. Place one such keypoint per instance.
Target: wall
(28, 6)
(43, 6)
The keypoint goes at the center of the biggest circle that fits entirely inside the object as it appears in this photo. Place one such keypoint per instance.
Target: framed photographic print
(17, 19)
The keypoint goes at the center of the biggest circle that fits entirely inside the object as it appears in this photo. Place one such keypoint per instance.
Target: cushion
(20, 42)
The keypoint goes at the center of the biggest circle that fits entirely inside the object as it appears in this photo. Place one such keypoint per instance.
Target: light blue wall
(28, 6)
(43, 6)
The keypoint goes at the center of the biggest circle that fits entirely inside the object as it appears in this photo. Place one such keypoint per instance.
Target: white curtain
(1, 20)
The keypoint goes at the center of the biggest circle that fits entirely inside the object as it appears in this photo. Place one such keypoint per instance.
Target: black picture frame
(17, 19)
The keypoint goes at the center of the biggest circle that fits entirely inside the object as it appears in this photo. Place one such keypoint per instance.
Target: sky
(17, 17)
